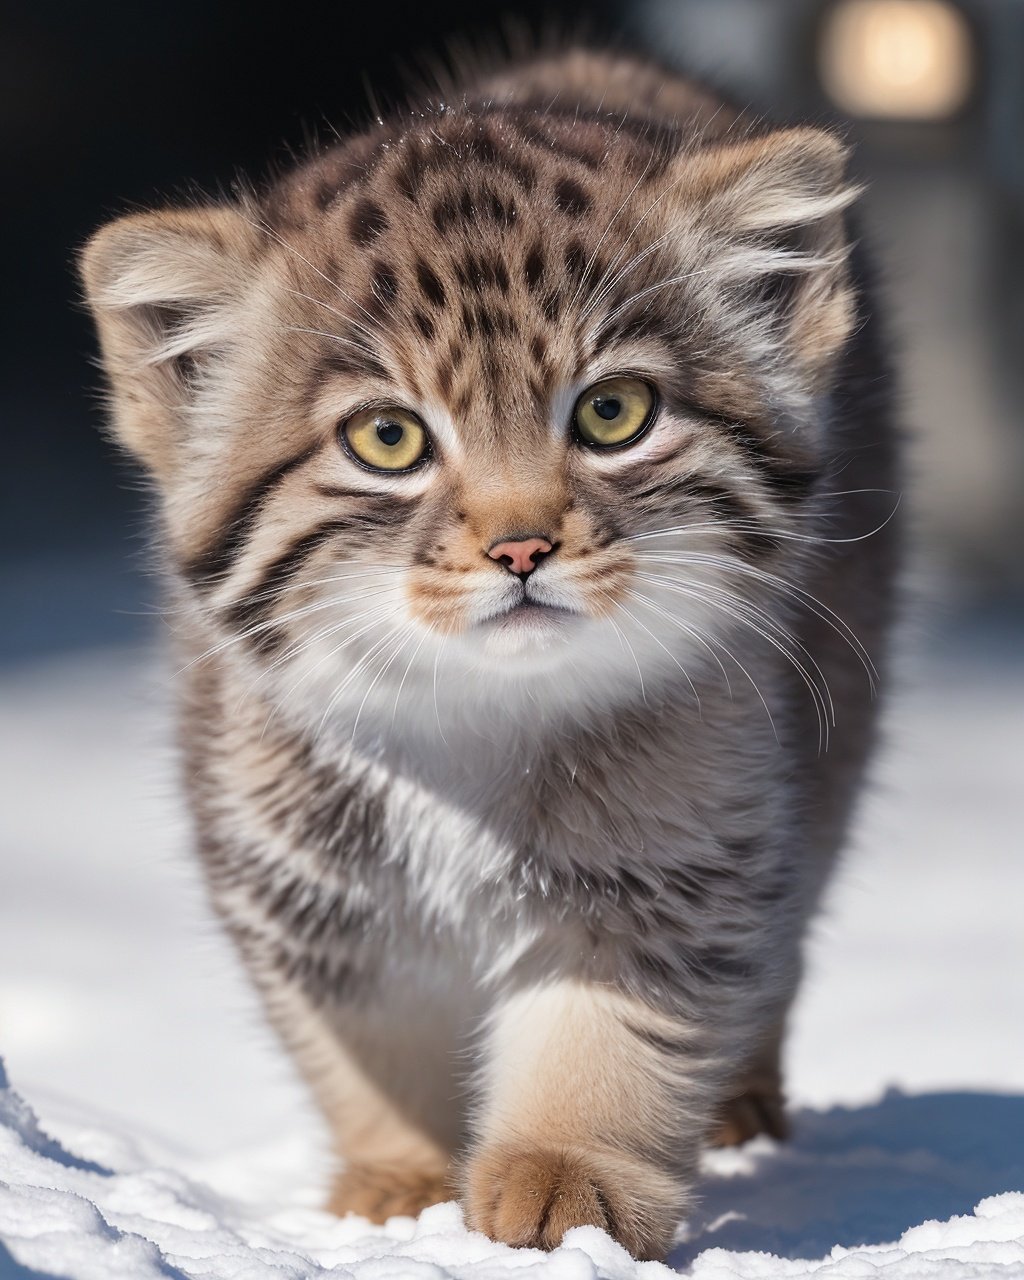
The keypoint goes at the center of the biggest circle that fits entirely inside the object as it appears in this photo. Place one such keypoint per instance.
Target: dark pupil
(607, 407)
(389, 433)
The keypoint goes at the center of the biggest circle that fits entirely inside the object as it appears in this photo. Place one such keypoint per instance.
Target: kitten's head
(527, 390)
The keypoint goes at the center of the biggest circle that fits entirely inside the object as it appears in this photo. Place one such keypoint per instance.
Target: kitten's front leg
(594, 1107)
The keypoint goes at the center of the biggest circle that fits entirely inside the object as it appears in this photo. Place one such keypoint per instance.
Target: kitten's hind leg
(380, 1191)
(383, 1076)
(757, 1104)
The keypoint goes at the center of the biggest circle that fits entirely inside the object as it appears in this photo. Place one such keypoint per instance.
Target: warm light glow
(897, 59)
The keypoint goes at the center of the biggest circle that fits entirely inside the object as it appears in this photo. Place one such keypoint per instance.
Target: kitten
(517, 462)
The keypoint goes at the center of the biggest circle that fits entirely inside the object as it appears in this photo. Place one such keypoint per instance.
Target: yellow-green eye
(614, 411)
(388, 439)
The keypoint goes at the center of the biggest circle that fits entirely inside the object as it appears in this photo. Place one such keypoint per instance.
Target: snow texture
(175, 1143)
(765, 1211)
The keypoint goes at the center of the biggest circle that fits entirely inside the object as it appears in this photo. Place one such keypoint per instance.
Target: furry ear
(771, 212)
(165, 290)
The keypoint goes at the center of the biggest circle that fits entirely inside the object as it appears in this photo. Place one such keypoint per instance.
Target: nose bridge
(510, 510)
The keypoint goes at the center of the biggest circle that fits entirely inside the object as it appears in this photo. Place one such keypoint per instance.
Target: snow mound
(117, 1213)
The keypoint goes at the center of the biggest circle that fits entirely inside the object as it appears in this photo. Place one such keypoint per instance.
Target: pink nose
(519, 557)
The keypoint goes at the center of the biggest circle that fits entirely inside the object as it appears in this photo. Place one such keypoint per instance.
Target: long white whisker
(437, 710)
(640, 675)
(357, 670)
(375, 616)
(277, 621)
(690, 629)
(352, 323)
(607, 231)
(405, 676)
(763, 625)
(671, 617)
(603, 290)
(400, 644)
(772, 580)
(633, 618)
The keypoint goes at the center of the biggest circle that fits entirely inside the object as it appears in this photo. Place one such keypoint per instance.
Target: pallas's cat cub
(524, 465)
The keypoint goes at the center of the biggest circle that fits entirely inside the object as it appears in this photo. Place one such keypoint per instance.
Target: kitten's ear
(771, 213)
(165, 290)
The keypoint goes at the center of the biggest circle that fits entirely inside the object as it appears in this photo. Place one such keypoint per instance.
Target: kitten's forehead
(469, 251)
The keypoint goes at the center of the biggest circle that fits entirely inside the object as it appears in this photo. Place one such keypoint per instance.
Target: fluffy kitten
(524, 466)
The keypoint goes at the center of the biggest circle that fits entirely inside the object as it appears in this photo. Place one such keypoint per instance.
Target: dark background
(109, 107)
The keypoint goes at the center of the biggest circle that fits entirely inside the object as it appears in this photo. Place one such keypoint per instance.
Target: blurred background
(108, 106)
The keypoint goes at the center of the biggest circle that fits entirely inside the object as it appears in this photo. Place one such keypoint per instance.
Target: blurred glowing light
(897, 59)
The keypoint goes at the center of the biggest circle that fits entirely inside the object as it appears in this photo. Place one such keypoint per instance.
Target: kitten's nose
(520, 557)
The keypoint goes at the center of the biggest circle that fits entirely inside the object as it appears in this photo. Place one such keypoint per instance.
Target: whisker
(437, 711)
(740, 610)
(305, 643)
(277, 621)
(405, 675)
(354, 324)
(379, 617)
(607, 231)
(690, 629)
(400, 644)
(640, 675)
(602, 290)
(671, 617)
(632, 616)
(357, 670)
(800, 594)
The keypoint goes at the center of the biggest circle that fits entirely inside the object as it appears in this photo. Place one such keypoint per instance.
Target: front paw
(529, 1197)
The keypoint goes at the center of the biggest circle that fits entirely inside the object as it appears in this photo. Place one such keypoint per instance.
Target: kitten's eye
(614, 411)
(389, 439)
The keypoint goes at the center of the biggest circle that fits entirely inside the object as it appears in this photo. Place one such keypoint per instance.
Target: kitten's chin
(520, 637)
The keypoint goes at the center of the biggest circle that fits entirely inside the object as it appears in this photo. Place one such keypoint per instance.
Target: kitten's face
(514, 398)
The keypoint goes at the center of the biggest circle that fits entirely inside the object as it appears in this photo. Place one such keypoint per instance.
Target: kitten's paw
(379, 1192)
(532, 1197)
(761, 1109)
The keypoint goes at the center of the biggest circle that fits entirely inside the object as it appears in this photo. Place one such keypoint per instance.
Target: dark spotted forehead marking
(430, 286)
(366, 222)
(462, 146)
(571, 198)
(424, 324)
(533, 266)
(484, 136)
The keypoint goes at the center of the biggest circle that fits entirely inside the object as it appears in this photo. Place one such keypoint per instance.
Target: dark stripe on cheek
(789, 479)
(738, 519)
(217, 559)
(257, 603)
(791, 482)
(256, 606)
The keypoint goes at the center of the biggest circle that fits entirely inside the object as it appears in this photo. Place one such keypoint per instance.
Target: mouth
(528, 612)
(526, 625)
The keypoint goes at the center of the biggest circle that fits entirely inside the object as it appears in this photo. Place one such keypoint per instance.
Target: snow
(174, 1141)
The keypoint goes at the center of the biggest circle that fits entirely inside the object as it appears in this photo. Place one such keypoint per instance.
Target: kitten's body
(529, 893)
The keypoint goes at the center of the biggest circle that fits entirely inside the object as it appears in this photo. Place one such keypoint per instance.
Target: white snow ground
(174, 1141)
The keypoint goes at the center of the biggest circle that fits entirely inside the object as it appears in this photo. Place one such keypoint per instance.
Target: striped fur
(524, 892)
